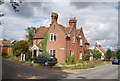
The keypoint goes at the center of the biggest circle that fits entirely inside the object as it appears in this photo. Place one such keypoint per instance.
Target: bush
(70, 59)
(86, 57)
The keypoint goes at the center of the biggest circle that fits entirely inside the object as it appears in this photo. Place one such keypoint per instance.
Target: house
(101, 50)
(62, 41)
(5, 47)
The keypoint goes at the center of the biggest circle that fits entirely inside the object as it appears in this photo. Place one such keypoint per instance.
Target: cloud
(80, 5)
(99, 20)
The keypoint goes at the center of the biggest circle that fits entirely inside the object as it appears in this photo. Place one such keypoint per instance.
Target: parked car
(111, 59)
(115, 61)
(45, 59)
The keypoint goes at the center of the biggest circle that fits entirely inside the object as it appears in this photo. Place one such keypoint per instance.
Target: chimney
(72, 22)
(54, 17)
(96, 45)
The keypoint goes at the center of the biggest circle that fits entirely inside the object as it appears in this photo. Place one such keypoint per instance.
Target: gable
(57, 28)
(34, 47)
(40, 32)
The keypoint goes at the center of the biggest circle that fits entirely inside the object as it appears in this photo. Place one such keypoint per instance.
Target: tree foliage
(30, 33)
(20, 47)
(96, 54)
(108, 54)
(118, 54)
(14, 4)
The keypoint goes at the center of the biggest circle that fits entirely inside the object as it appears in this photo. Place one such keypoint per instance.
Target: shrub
(86, 57)
(70, 59)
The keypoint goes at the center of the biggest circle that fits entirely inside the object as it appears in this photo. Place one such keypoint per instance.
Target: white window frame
(54, 35)
(73, 39)
(81, 55)
(71, 52)
(81, 41)
(51, 52)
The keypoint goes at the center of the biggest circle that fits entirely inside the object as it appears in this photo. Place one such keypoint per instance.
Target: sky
(99, 20)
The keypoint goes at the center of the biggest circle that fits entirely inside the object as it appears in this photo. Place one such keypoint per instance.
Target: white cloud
(99, 20)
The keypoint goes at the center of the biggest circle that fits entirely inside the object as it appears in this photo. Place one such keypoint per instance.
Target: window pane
(51, 37)
(50, 52)
(73, 39)
(54, 37)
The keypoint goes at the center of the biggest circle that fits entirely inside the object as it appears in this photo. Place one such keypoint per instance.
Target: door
(35, 53)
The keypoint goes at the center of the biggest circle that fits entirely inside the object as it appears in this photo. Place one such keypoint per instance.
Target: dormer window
(52, 37)
(73, 39)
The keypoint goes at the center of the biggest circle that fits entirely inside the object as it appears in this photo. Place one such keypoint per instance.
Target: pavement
(15, 70)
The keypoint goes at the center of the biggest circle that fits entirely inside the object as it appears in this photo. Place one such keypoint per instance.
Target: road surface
(15, 70)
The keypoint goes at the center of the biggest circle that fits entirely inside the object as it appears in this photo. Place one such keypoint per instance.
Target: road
(15, 70)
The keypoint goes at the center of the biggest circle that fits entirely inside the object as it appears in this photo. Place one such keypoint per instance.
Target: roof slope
(101, 49)
(5, 43)
(40, 32)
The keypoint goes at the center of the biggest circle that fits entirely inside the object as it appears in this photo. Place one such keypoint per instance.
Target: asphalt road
(14, 70)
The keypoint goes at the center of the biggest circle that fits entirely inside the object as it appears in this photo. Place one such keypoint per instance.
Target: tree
(20, 47)
(31, 32)
(96, 54)
(14, 4)
(108, 54)
(118, 54)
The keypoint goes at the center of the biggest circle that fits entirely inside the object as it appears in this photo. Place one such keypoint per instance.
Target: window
(73, 39)
(52, 52)
(71, 52)
(80, 55)
(81, 42)
(52, 37)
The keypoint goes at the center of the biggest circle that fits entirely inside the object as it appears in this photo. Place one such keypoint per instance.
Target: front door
(35, 53)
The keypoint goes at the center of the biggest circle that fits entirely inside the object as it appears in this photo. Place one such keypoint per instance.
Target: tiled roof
(40, 32)
(67, 29)
(86, 41)
(38, 46)
(101, 49)
(5, 43)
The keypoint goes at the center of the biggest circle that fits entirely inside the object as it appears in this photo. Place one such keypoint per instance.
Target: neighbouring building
(101, 50)
(5, 47)
(62, 41)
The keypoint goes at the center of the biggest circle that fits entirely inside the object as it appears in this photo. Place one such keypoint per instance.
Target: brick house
(5, 48)
(62, 41)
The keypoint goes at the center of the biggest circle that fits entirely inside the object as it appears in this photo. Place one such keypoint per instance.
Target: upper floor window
(73, 39)
(81, 41)
(52, 37)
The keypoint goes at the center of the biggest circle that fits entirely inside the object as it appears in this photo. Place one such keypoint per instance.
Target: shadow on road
(15, 70)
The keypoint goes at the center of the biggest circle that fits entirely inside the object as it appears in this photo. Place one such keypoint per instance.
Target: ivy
(44, 42)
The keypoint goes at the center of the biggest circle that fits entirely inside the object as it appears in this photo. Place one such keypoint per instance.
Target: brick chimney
(72, 22)
(54, 17)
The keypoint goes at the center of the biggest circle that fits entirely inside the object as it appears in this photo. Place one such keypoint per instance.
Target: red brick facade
(63, 41)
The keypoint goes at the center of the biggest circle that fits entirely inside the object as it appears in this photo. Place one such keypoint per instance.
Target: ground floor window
(71, 52)
(52, 52)
(80, 55)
